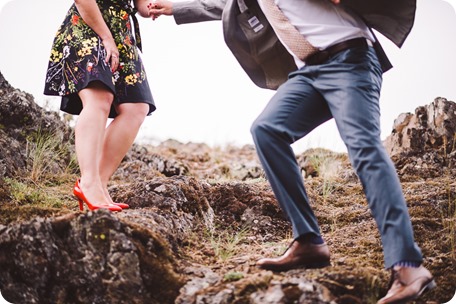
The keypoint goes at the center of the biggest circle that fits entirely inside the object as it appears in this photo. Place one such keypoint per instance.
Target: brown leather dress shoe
(298, 255)
(408, 283)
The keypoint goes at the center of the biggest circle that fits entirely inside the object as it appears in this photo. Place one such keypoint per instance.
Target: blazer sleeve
(198, 10)
(394, 18)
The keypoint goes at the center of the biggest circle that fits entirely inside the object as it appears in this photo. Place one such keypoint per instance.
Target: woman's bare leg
(89, 136)
(118, 138)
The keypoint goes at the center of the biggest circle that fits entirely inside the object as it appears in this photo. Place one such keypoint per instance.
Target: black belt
(324, 55)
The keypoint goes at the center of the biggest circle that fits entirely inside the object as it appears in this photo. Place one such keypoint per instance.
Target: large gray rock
(432, 127)
(85, 258)
(22, 124)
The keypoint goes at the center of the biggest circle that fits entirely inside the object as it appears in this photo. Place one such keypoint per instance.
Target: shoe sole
(426, 287)
(305, 266)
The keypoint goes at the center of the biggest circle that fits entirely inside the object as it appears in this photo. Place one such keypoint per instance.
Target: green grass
(449, 213)
(225, 243)
(23, 193)
(44, 152)
(233, 276)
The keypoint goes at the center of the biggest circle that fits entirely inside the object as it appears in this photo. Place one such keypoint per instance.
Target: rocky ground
(200, 217)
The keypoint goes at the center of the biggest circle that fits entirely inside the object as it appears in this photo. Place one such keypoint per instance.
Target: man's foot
(408, 283)
(300, 254)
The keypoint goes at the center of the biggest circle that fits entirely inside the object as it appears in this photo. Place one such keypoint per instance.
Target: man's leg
(352, 92)
(294, 111)
(351, 85)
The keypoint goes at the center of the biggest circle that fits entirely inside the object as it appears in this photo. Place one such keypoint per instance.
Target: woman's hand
(143, 7)
(160, 7)
(91, 15)
(112, 53)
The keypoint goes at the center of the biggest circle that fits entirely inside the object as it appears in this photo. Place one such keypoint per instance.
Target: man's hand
(335, 1)
(160, 7)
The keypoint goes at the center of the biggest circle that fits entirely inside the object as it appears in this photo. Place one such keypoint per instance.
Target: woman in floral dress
(96, 67)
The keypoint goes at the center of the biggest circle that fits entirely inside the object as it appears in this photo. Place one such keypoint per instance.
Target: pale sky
(201, 92)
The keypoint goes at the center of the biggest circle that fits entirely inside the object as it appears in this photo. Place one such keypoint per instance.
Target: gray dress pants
(346, 88)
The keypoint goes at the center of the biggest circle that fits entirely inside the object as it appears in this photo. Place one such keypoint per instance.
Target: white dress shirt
(322, 23)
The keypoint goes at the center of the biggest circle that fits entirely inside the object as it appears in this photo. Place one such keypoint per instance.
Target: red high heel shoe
(82, 199)
(122, 205)
(78, 189)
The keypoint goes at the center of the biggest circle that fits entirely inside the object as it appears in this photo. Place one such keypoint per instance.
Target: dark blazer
(261, 54)
(392, 18)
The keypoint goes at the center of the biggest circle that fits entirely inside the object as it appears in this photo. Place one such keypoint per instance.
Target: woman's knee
(136, 112)
(97, 96)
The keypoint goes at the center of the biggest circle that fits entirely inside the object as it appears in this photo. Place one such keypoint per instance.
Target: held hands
(160, 7)
(165, 7)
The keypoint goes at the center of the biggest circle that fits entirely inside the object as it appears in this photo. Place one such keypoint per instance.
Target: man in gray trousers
(339, 78)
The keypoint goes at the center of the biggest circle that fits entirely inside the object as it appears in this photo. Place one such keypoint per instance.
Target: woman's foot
(93, 202)
(108, 197)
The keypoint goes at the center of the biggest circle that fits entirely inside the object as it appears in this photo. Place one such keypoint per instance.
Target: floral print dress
(78, 58)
